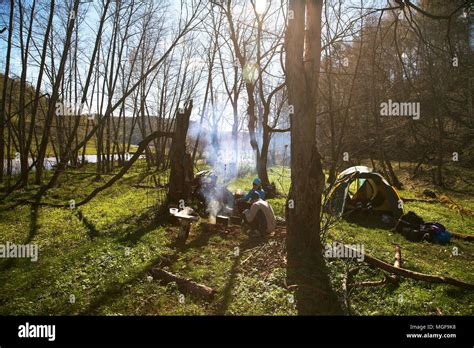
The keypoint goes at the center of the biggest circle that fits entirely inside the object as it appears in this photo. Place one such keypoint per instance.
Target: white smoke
(226, 155)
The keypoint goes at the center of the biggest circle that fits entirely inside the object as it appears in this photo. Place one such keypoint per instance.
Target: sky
(89, 26)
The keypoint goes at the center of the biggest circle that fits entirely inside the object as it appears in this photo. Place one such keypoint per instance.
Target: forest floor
(95, 259)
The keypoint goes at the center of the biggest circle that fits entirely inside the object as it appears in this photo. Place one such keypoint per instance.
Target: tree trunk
(439, 152)
(54, 96)
(3, 101)
(393, 177)
(178, 189)
(21, 107)
(332, 128)
(263, 161)
(306, 266)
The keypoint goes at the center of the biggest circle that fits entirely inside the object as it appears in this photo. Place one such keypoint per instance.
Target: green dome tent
(360, 187)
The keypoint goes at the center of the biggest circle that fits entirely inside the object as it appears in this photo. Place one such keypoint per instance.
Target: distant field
(91, 149)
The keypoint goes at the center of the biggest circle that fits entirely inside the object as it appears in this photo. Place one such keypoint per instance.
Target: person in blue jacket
(257, 186)
(244, 202)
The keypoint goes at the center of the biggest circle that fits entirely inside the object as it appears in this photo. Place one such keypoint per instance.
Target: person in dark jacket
(244, 202)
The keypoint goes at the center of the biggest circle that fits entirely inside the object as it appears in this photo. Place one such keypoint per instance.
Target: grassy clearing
(84, 253)
(101, 254)
(91, 149)
(409, 297)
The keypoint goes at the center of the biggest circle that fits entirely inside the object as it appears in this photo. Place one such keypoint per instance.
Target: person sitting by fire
(260, 217)
(244, 202)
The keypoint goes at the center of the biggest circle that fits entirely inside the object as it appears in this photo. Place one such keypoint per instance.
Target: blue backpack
(437, 232)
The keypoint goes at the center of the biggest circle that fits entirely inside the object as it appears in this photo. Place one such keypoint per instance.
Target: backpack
(409, 226)
(437, 232)
(409, 220)
(415, 235)
(414, 229)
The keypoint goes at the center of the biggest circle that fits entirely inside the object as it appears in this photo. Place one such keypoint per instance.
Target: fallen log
(466, 237)
(184, 285)
(419, 200)
(455, 206)
(410, 274)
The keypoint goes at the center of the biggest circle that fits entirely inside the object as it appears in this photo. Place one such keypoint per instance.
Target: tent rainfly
(360, 187)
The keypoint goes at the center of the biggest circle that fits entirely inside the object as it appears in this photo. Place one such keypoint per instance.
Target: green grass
(91, 149)
(418, 298)
(84, 252)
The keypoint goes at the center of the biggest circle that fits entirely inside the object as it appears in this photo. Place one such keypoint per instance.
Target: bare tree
(4, 91)
(306, 267)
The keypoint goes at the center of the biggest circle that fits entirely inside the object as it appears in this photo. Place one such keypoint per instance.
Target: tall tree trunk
(235, 134)
(3, 101)
(21, 108)
(249, 84)
(55, 96)
(439, 151)
(334, 159)
(306, 266)
(393, 177)
(178, 189)
(36, 103)
(263, 160)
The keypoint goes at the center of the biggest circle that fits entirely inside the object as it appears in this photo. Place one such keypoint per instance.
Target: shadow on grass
(116, 290)
(224, 303)
(369, 220)
(140, 229)
(32, 231)
(92, 231)
(140, 226)
(201, 240)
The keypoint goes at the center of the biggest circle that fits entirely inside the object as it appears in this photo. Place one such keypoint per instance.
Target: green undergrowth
(96, 259)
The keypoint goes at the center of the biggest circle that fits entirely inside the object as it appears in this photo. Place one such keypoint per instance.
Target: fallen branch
(411, 274)
(454, 206)
(466, 237)
(184, 285)
(149, 187)
(253, 252)
(419, 200)
(387, 280)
